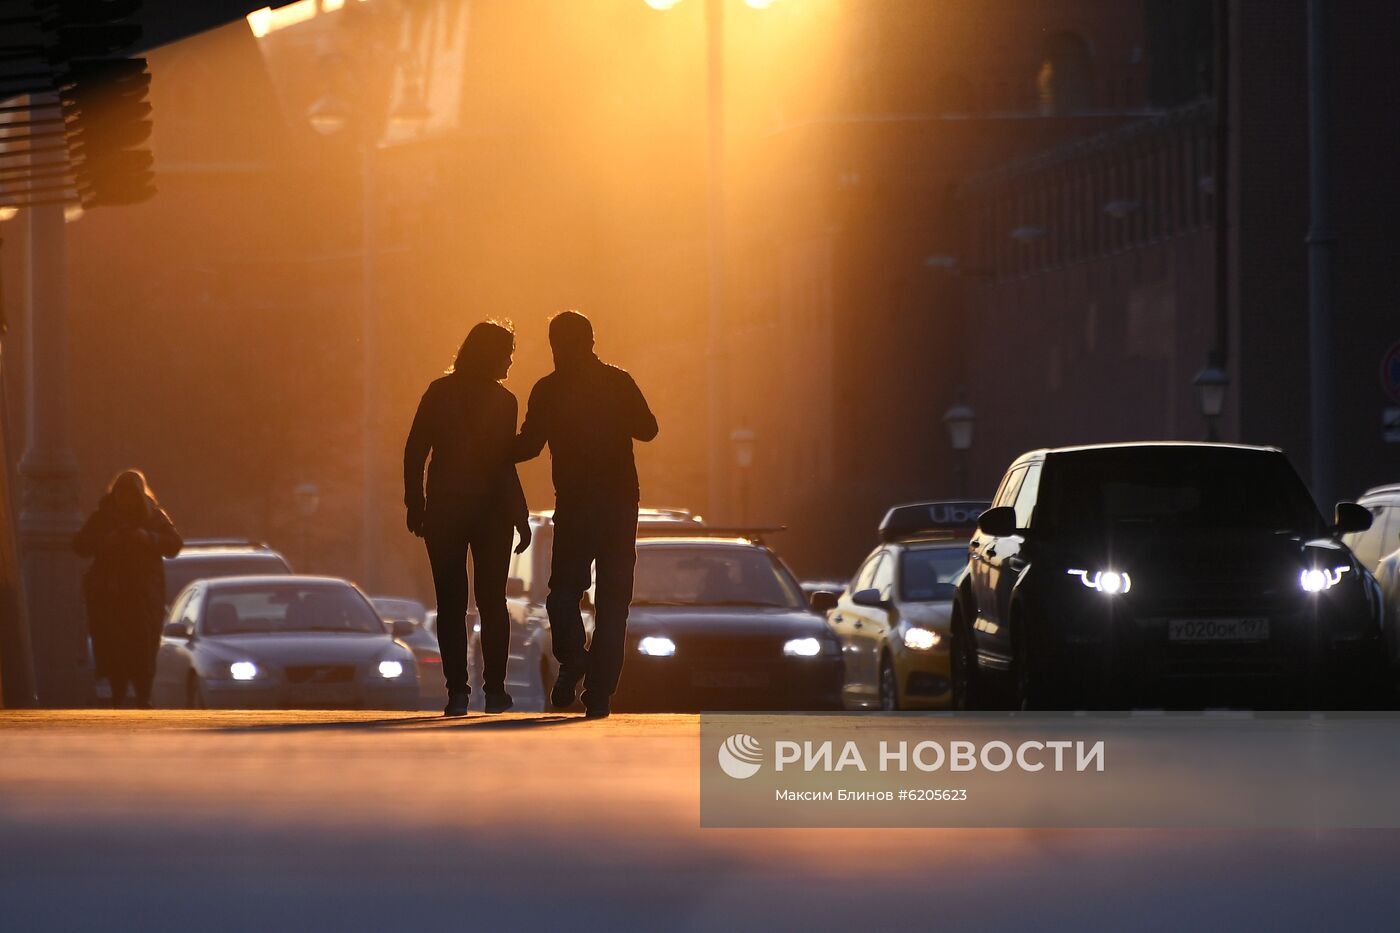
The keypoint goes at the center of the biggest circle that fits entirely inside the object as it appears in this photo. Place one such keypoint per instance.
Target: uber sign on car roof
(949, 519)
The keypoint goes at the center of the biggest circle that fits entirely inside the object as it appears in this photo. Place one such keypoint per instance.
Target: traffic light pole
(49, 515)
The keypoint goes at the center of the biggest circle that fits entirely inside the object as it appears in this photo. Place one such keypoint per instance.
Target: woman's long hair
(485, 354)
(135, 481)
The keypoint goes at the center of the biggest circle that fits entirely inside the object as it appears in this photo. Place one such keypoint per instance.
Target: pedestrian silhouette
(466, 422)
(124, 588)
(588, 413)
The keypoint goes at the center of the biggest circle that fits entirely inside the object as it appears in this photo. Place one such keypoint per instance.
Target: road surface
(167, 820)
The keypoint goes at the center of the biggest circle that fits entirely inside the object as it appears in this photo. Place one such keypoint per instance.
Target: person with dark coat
(127, 538)
(589, 413)
(466, 422)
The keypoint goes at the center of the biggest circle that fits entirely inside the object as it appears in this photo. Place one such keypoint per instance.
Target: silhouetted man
(589, 413)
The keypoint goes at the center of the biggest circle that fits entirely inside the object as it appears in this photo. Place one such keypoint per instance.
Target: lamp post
(959, 419)
(307, 497)
(1211, 384)
(742, 441)
(328, 116)
(716, 352)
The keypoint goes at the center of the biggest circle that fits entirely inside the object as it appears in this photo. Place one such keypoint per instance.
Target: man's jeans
(587, 535)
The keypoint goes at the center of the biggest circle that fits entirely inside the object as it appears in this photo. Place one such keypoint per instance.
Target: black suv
(1102, 574)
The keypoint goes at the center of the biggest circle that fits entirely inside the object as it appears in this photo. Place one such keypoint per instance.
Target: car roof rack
(223, 542)
(754, 533)
(947, 518)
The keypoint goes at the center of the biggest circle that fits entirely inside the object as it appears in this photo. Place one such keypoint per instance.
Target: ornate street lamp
(1211, 384)
(742, 440)
(959, 419)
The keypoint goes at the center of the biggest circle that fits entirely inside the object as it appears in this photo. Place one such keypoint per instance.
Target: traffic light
(105, 109)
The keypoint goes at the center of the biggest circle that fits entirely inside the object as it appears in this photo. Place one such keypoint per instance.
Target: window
(190, 613)
(863, 576)
(1025, 498)
(1161, 488)
(1371, 545)
(928, 573)
(522, 565)
(252, 609)
(1009, 488)
(1065, 81)
(884, 577)
(1390, 538)
(710, 575)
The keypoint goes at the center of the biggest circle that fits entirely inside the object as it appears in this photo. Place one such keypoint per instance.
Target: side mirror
(180, 630)
(402, 628)
(869, 598)
(823, 601)
(998, 522)
(515, 588)
(1350, 518)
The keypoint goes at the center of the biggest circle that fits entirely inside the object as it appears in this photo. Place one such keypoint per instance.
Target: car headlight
(921, 639)
(1108, 582)
(243, 670)
(1321, 578)
(657, 646)
(390, 669)
(802, 647)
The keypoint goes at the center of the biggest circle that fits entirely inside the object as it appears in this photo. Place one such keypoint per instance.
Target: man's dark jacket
(589, 413)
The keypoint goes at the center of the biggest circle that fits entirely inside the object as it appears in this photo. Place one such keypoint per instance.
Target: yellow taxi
(893, 617)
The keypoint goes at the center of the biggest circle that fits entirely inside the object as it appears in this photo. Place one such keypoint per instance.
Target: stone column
(49, 514)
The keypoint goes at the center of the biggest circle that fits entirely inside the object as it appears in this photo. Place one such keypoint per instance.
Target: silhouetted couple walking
(588, 413)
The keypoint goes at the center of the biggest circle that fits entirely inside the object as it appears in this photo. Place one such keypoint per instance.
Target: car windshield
(926, 574)
(1165, 488)
(711, 575)
(277, 608)
(181, 571)
(391, 608)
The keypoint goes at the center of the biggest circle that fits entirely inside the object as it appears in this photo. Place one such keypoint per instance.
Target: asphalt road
(166, 820)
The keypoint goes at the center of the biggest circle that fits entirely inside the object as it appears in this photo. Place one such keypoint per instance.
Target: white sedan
(281, 642)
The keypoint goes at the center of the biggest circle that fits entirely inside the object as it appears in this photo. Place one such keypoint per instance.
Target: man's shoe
(597, 712)
(456, 704)
(498, 702)
(565, 692)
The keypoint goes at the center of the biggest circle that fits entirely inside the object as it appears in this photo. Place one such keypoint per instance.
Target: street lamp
(959, 419)
(1211, 384)
(715, 346)
(328, 116)
(742, 440)
(307, 497)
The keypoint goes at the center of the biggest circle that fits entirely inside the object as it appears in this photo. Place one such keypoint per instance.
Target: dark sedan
(719, 623)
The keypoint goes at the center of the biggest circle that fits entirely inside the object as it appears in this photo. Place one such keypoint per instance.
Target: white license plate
(1218, 630)
(729, 680)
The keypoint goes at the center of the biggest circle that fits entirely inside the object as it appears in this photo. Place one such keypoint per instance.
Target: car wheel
(194, 694)
(963, 661)
(1030, 689)
(546, 681)
(889, 684)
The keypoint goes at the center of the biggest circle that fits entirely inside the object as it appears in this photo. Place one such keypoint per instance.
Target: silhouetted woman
(466, 421)
(126, 537)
